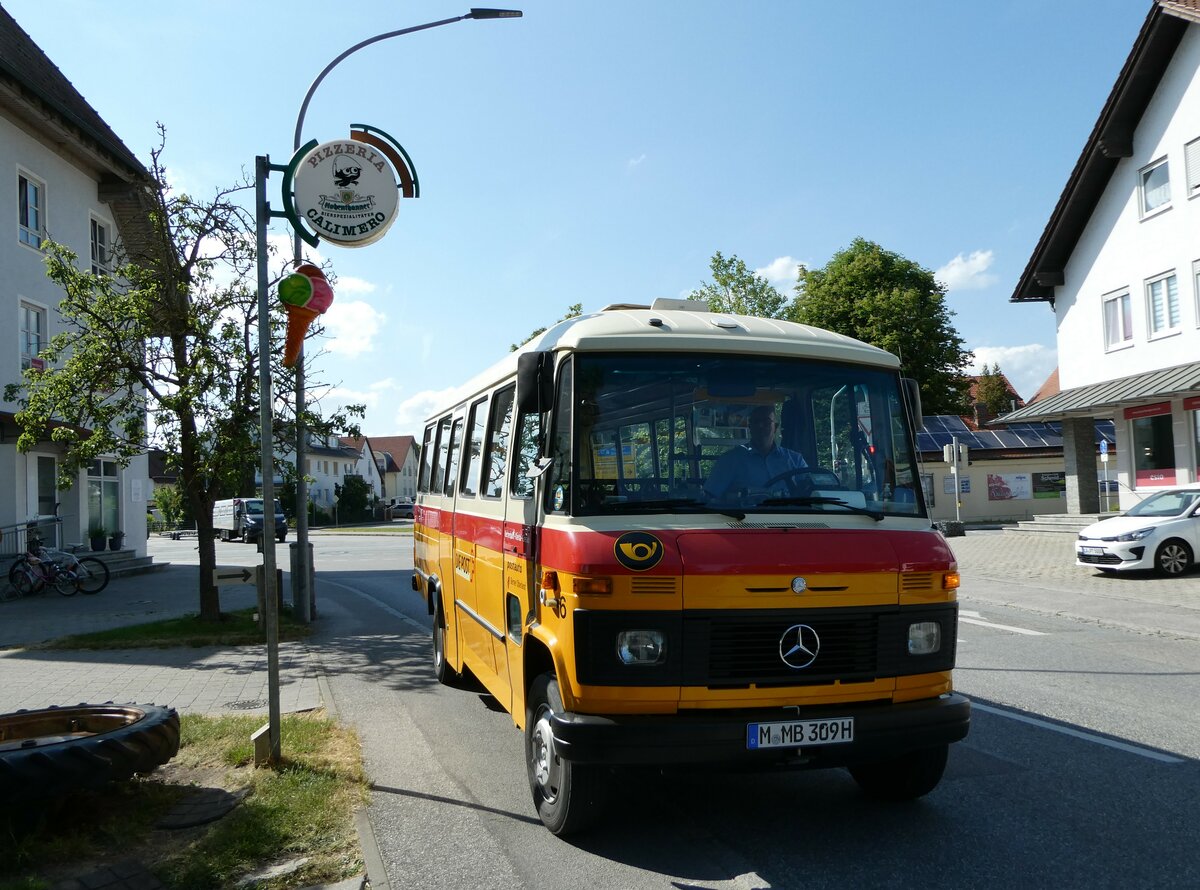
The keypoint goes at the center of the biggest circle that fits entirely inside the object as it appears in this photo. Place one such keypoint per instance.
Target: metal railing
(14, 539)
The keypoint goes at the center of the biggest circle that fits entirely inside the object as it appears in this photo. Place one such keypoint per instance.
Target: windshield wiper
(814, 501)
(675, 503)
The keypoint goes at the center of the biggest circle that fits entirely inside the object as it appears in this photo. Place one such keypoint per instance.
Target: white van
(242, 518)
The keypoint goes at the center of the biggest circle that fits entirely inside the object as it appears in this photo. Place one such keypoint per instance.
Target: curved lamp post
(301, 569)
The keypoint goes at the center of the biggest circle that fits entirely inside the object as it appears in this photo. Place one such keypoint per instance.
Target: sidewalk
(205, 680)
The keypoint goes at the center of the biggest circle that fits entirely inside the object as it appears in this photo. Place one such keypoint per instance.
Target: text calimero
(347, 192)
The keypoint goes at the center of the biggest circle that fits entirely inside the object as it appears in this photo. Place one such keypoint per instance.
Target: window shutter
(1191, 154)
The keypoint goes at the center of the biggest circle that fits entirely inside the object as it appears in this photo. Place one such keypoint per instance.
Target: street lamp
(302, 596)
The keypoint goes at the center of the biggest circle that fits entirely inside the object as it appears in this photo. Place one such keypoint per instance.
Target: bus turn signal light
(950, 581)
(592, 586)
(550, 581)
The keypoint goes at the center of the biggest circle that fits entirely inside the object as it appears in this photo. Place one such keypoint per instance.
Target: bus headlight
(924, 638)
(641, 647)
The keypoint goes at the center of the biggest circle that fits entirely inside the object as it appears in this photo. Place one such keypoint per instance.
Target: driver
(755, 463)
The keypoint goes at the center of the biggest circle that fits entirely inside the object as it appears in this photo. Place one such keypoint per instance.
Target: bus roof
(682, 326)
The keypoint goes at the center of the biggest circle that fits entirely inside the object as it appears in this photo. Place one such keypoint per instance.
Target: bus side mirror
(535, 382)
(912, 396)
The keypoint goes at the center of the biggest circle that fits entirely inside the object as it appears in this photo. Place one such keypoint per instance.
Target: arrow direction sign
(223, 575)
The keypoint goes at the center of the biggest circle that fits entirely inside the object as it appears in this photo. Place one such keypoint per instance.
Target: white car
(1161, 533)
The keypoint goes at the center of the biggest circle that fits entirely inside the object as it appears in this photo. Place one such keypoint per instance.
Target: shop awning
(1104, 399)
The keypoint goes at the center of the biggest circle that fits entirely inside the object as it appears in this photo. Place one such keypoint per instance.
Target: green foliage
(170, 503)
(889, 301)
(353, 499)
(991, 390)
(574, 310)
(737, 290)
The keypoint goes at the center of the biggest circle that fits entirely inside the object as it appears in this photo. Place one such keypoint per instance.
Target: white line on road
(975, 618)
(1079, 734)
(375, 602)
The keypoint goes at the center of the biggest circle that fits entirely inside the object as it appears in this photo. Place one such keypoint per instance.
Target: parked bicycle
(43, 568)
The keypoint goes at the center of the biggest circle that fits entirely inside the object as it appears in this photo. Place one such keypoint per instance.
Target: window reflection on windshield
(707, 433)
(1167, 503)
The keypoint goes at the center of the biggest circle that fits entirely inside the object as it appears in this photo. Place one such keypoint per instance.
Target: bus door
(520, 526)
(460, 571)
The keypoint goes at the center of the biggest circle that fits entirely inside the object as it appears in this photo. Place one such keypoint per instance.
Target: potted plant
(117, 540)
(96, 534)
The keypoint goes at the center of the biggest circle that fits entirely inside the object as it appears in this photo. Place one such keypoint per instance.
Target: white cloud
(635, 162)
(351, 327)
(780, 271)
(413, 411)
(1026, 367)
(967, 272)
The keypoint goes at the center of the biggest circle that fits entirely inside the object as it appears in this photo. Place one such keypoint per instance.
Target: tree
(991, 389)
(889, 301)
(169, 501)
(573, 311)
(352, 497)
(165, 350)
(737, 290)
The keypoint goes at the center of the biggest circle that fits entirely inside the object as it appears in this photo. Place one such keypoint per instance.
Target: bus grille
(745, 649)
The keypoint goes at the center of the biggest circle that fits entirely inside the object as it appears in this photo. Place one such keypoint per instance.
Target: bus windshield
(683, 432)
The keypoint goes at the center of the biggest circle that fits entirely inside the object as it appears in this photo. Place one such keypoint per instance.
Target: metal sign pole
(267, 442)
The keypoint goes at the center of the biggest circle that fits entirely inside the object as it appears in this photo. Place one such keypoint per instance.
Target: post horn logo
(638, 551)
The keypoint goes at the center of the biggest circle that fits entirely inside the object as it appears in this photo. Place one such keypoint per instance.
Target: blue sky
(602, 152)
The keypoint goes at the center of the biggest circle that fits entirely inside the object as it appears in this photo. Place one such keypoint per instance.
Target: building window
(31, 198)
(1118, 321)
(1196, 289)
(1162, 305)
(100, 242)
(32, 322)
(1155, 188)
(104, 494)
(1191, 155)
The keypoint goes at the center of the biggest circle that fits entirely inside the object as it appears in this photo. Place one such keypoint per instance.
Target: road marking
(1079, 734)
(975, 618)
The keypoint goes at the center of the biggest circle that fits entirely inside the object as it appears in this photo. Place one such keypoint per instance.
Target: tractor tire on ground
(52, 751)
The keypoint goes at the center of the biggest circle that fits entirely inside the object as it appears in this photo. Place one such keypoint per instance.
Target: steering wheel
(799, 480)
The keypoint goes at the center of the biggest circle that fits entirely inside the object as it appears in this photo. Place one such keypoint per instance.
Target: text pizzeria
(346, 148)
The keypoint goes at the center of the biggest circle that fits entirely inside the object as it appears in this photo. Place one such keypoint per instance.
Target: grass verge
(302, 809)
(234, 629)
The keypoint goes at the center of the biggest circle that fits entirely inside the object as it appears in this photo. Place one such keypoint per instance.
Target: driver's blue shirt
(741, 467)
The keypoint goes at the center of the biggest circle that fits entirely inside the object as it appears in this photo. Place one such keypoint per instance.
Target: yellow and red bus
(580, 562)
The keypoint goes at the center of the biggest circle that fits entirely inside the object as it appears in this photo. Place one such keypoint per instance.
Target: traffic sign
(225, 575)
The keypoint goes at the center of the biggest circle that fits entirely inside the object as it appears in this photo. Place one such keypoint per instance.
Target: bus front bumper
(881, 730)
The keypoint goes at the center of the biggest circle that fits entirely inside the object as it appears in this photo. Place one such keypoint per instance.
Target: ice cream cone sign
(305, 294)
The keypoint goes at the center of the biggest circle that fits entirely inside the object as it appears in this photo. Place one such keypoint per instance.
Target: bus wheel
(569, 796)
(906, 777)
(441, 668)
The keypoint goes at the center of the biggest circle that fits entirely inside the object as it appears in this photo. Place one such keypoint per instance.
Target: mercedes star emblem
(799, 645)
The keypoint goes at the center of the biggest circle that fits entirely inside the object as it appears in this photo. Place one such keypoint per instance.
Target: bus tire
(56, 750)
(441, 668)
(906, 777)
(569, 797)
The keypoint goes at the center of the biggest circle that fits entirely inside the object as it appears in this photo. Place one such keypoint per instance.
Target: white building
(1119, 265)
(70, 178)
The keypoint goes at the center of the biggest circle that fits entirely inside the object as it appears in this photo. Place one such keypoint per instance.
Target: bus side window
(437, 480)
(426, 459)
(528, 437)
(452, 462)
(495, 452)
(473, 462)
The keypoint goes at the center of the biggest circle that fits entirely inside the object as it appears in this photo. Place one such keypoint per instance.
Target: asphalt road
(1081, 768)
